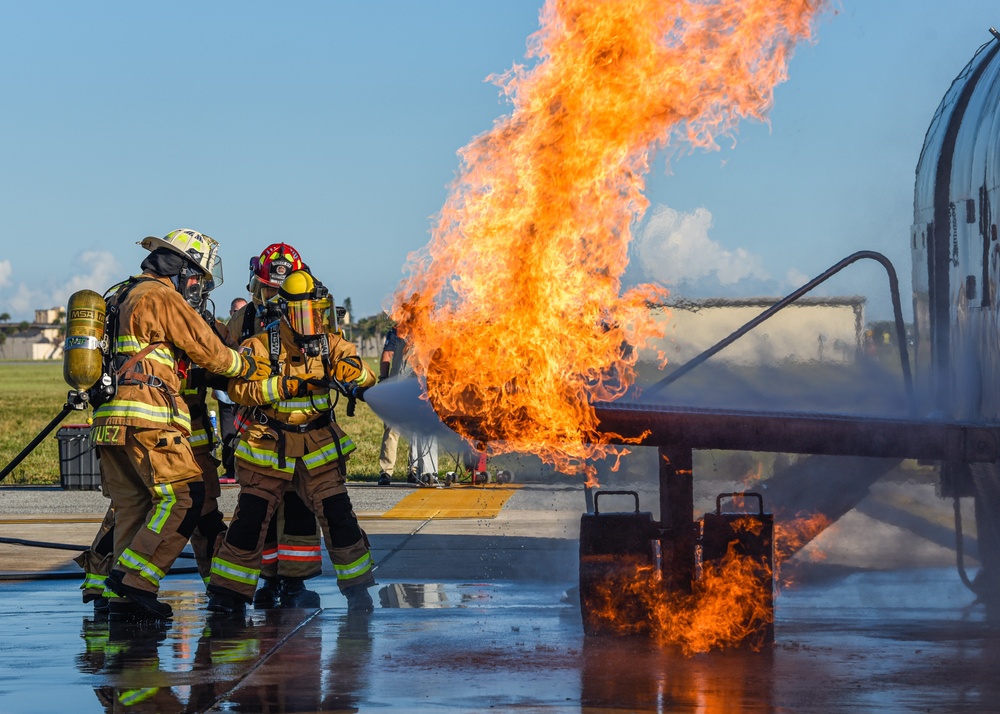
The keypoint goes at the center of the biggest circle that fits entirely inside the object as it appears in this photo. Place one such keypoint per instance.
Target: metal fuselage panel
(956, 256)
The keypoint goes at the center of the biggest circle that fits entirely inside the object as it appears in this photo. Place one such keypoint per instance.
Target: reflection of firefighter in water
(351, 663)
(127, 656)
(295, 440)
(131, 665)
(292, 552)
(308, 684)
(224, 642)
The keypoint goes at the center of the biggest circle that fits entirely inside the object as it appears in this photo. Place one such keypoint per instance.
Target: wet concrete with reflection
(892, 641)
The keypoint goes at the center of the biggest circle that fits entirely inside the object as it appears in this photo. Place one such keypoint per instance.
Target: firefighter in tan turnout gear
(147, 465)
(292, 552)
(96, 561)
(293, 440)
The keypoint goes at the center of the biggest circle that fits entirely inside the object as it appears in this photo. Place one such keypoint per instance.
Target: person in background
(295, 441)
(422, 467)
(227, 413)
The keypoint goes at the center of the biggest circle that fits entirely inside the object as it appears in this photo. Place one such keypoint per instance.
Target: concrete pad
(479, 614)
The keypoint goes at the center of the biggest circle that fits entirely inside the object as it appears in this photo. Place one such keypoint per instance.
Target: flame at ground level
(731, 603)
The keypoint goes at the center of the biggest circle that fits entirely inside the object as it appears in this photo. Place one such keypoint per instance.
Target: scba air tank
(83, 356)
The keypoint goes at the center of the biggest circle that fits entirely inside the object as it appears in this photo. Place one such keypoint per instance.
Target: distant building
(809, 330)
(42, 340)
(51, 316)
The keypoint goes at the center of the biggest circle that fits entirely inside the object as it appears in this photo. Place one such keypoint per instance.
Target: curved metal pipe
(897, 310)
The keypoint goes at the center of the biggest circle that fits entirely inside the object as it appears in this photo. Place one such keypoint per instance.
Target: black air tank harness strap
(274, 352)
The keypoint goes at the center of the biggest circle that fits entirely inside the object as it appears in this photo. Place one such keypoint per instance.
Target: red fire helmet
(274, 264)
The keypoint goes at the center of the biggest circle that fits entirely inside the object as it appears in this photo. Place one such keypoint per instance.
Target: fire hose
(70, 575)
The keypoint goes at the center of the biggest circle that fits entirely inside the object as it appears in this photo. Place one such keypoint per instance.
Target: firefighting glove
(249, 369)
(298, 387)
(348, 369)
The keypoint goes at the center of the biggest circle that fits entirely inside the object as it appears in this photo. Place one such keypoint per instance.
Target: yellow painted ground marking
(453, 502)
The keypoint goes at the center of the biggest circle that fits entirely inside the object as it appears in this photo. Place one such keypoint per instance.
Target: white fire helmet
(200, 249)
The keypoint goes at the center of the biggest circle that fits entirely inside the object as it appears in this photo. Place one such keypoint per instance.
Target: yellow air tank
(83, 357)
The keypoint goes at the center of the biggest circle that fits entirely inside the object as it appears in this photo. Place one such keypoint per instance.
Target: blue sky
(335, 127)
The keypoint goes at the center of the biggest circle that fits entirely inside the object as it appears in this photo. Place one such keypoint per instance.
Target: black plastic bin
(78, 467)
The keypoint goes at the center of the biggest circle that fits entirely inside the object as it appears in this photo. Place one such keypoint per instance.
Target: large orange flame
(514, 311)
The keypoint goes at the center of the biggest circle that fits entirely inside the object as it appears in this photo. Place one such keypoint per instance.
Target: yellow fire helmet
(200, 249)
(306, 304)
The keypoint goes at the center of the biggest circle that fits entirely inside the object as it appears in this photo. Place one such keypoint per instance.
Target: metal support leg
(677, 517)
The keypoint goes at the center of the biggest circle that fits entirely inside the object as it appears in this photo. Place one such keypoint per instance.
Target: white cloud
(101, 271)
(675, 248)
(93, 270)
(796, 278)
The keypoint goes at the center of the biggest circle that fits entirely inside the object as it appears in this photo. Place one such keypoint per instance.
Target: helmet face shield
(215, 276)
(309, 317)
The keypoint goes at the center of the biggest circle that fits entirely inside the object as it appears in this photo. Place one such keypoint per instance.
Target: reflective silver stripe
(82, 342)
(352, 570)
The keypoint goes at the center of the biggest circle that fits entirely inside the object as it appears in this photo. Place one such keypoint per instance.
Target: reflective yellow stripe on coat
(268, 458)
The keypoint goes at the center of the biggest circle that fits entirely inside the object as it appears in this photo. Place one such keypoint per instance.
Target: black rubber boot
(143, 598)
(268, 594)
(295, 595)
(122, 610)
(226, 604)
(358, 599)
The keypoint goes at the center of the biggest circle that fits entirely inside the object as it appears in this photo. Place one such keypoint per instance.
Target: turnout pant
(292, 548)
(228, 437)
(210, 523)
(157, 495)
(96, 562)
(237, 563)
